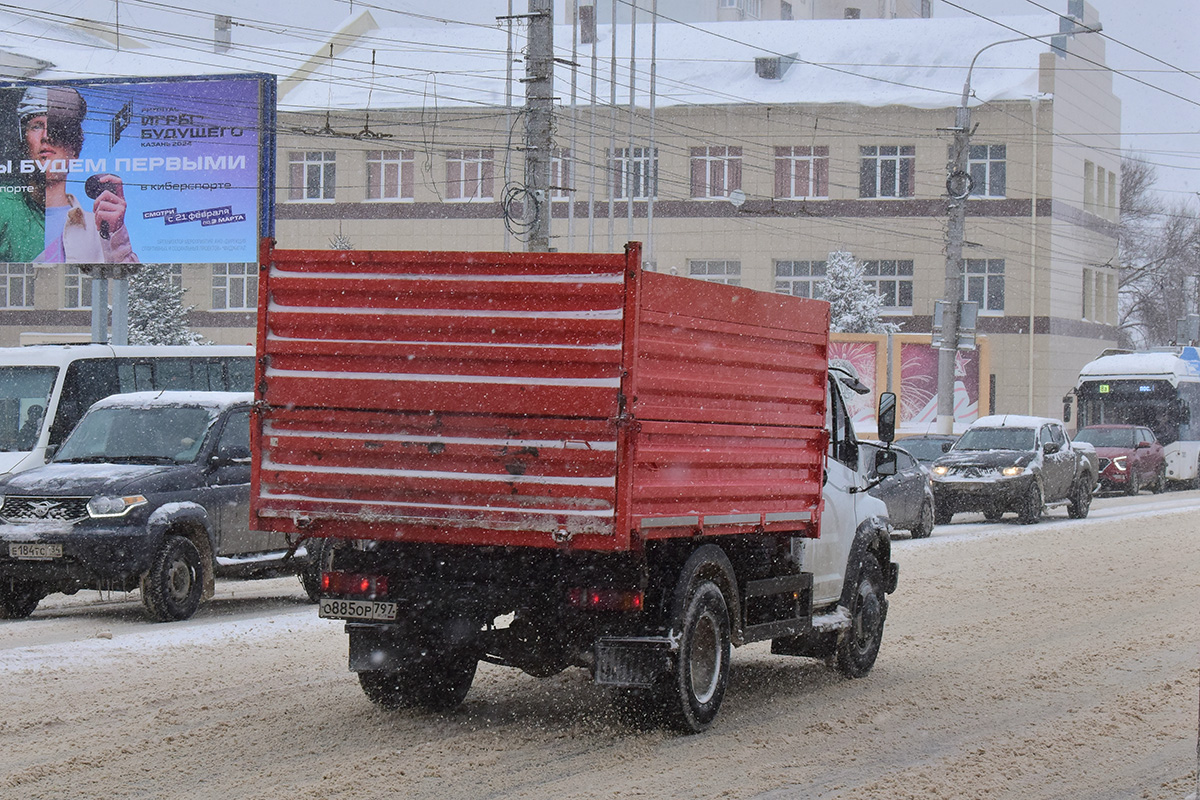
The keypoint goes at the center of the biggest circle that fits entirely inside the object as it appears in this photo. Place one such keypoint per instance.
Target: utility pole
(539, 112)
(958, 189)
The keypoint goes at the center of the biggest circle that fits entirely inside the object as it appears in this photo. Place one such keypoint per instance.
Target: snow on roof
(920, 63)
(1011, 421)
(1184, 365)
(211, 400)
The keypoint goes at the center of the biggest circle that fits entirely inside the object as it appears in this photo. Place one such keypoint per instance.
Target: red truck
(560, 460)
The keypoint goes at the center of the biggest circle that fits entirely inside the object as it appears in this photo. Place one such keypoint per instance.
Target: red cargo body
(542, 400)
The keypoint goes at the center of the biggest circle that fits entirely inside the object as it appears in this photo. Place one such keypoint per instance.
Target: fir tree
(856, 305)
(156, 311)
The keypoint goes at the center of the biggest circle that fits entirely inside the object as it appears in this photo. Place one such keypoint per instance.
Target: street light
(958, 189)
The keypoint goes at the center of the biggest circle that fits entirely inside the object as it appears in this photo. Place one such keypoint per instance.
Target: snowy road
(1049, 661)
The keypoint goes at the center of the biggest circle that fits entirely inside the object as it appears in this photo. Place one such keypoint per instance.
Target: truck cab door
(826, 557)
(229, 481)
(1058, 468)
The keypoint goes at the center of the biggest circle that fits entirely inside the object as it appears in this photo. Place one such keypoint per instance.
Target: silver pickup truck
(1014, 463)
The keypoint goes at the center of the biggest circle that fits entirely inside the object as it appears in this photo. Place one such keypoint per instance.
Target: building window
(983, 283)
(634, 173)
(1114, 203)
(234, 287)
(893, 280)
(986, 164)
(800, 278)
(175, 272)
(801, 172)
(785, 10)
(77, 288)
(716, 171)
(16, 286)
(469, 175)
(727, 272)
(887, 171)
(1089, 185)
(562, 174)
(313, 175)
(389, 174)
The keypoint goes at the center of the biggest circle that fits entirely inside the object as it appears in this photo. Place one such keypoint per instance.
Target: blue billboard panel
(151, 171)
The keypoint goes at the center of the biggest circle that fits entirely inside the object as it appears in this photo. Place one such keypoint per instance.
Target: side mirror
(1050, 448)
(885, 463)
(1142, 446)
(946, 446)
(887, 421)
(51, 449)
(1067, 408)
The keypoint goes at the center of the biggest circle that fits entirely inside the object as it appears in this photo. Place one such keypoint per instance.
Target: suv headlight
(940, 470)
(1012, 472)
(102, 506)
(1119, 463)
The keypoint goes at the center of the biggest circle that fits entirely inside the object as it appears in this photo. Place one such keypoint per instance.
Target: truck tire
(1029, 509)
(18, 599)
(1081, 498)
(320, 556)
(942, 513)
(439, 683)
(172, 587)
(924, 526)
(692, 696)
(858, 645)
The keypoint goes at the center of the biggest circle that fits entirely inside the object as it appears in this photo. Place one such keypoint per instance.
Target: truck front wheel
(1081, 498)
(858, 646)
(697, 683)
(171, 589)
(18, 599)
(1030, 509)
(440, 683)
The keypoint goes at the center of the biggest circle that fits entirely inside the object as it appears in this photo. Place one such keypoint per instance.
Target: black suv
(150, 491)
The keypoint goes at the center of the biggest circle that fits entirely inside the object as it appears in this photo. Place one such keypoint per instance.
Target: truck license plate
(356, 609)
(34, 551)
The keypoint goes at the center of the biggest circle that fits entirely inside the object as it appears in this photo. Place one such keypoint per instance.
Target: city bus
(1158, 389)
(45, 389)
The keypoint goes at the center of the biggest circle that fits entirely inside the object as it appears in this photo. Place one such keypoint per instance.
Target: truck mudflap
(634, 661)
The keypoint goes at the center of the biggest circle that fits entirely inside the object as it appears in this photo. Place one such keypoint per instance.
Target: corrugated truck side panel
(491, 398)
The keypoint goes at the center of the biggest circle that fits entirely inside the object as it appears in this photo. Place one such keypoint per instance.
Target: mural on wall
(862, 356)
(914, 380)
(918, 386)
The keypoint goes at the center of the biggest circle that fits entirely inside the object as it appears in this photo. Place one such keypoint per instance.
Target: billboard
(163, 170)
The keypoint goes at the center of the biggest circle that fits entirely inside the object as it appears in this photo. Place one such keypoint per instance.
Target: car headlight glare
(940, 470)
(1119, 463)
(104, 506)
(1010, 472)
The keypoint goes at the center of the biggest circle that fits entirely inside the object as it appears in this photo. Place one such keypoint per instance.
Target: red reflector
(606, 599)
(349, 584)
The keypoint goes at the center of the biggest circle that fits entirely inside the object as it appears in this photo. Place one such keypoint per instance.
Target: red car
(1130, 457)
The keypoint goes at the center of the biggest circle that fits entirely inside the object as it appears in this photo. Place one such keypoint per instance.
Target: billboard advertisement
(165, 170)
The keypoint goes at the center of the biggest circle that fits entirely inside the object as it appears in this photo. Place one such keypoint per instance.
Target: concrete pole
(539, 112)
(958, 188)
(100, 304)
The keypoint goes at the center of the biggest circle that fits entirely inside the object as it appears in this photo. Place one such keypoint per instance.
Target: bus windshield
(24, 394)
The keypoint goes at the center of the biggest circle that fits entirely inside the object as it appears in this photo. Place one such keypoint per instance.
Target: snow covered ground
(1047, 661)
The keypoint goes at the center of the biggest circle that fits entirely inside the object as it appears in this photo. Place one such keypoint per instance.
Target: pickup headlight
(101, 506)
(1012, 472)
(939, 470)
(1119, 463)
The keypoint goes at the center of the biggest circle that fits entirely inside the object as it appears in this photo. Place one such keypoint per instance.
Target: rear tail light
(353, 584)
(606, 599)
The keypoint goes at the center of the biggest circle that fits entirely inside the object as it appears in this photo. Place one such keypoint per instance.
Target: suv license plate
(356, 609)
(38, 551)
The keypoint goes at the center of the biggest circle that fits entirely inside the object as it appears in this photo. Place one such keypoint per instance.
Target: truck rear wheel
(693, 696)
(858, 646)
(171, 589)
(440, 683)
